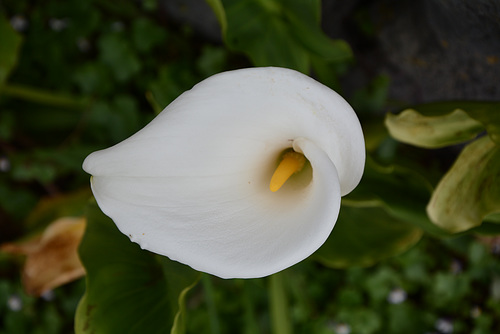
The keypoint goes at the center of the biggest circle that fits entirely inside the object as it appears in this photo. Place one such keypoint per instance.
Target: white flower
(397, 296)
(194, 184)
(15, 303)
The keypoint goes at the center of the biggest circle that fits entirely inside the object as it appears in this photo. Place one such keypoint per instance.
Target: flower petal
(246, 233)
(194, 184)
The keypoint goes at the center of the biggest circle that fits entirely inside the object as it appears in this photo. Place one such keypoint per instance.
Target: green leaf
(93, 78)
(9, 52)
(380, 283)
(277, 33)
(487, 228)
(405, 318)
(449, 289)
(363, 320)
(147, 35)
(403, 193)
(413, 128)
(128, 290)
(118, 55)
(470, 190)
(364, 235)
(122, 112)
(304, 18)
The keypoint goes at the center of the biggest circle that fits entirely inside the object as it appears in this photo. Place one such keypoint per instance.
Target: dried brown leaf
(52, 257)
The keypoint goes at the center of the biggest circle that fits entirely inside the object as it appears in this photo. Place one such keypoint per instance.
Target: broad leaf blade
(258, 29)
(278, 33)
(128, 290)
(413, 128)
(470, 190)
(308, 33)
(364, 235)
(403, 193)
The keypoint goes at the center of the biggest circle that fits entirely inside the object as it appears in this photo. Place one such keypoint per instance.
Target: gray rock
(435, 49)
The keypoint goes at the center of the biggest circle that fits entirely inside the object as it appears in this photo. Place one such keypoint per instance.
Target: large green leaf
(282, 33)
(365, 235)
(11, 42)
(403, 193)
(128, 290)
(416, 129)
(470, 190)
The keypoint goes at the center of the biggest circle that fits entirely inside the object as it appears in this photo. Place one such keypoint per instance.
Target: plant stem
(206, 281)
(280, 316)
(251, 324)
(42, 96)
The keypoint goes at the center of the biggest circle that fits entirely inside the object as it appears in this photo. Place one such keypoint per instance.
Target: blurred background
(78, 76)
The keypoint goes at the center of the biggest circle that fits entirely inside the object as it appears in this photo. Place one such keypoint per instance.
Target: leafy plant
(416, 246)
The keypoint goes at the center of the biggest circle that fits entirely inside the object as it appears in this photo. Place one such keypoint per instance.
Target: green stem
(42, 97)
(251, 324)
(206, 281)
(280, 316)
(153, 103)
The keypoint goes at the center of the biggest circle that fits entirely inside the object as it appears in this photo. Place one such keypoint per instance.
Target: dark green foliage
(83, 75)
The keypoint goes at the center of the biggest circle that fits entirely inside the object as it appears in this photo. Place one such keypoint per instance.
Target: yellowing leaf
(413, 128)
(470, 190)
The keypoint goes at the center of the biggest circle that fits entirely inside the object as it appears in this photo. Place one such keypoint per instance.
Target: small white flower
(14, 303)
(342, 328)
(48, 295)
(456, 267)
(117, 26)
(397, 296)
(58, 24)
(83, 44)
(19, 23)
(475, 312)
(444, 326)
(197, 184)
(4, 164)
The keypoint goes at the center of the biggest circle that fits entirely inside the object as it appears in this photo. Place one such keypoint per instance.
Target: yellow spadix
(292, 163)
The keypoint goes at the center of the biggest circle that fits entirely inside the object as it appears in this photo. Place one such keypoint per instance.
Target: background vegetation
(77, 76)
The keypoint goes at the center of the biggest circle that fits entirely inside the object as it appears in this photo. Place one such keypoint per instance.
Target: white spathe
(193, 184)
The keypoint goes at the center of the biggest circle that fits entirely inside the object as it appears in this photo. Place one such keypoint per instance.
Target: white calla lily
(194, 184)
